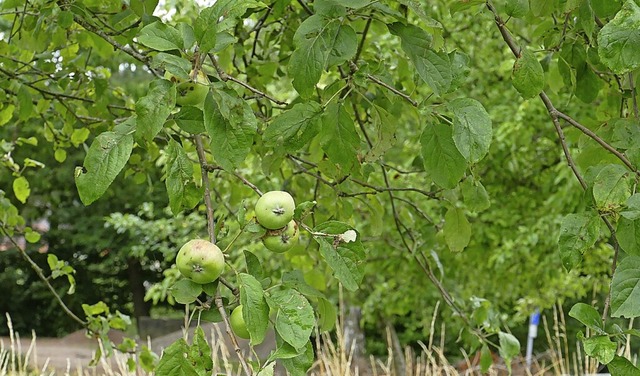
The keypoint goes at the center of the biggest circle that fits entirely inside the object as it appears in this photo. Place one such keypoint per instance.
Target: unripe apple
(193, 92)
(200, 261)
(282, 240)
(237, 323)
(275, 209)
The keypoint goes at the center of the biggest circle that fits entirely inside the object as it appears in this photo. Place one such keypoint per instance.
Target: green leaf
(283, 351)
(619, 40)
(578, 233)
(625, 288)
(190, 119)
(433, 67)
(295, 319)
(31, 236)
(200, 353)
(344, 258)
(255, 310)
(320, 43)
(253, 265)
(179, 174)
(543, 7)
(442, 160)
(295, 280)
(611, 187)
(340, 140)
(327, 315)
(620, 366)
(628, 234)
(6, 114)
(509, 348)
(457, 230)
(527, 75)
(174, 65)
(385, 126)
(206, 28)
(161, 37)
(588, 316)
(175, 361)
(632, 211)
(142, 7)
(517, 8)
(108, 154)
(231, 125)
(299, 365)
(21, 189)
(294, 128)
(601, 348)
(471, 128)
(153, 109)
(475, 196)
(486, 359)
(185, 291)
(25, 109)
(626, 133)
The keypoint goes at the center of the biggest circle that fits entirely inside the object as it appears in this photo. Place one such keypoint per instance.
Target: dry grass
(333, 358)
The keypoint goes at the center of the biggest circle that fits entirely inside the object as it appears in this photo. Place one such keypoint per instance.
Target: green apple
(191, 93)
(275, 209)
(200, 261)
(237, 323)
(282, 240)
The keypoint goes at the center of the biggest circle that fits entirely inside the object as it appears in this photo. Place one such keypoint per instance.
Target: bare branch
(219, 304)
(393, 89)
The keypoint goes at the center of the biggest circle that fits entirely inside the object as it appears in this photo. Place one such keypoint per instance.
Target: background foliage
(485, 152)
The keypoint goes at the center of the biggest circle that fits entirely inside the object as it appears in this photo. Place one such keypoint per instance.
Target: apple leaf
(161, 37)
(509, 348)
(231, 125)
(200, 353)
(6, 113)
(327, 315)
(527, 75)
(442, 159)
(632, 210)
(21, 189)
(175, 361)
(628, 234)
(620, 366)
(185, 291)
(625, 288)
(190, 119)
(153, 109)
(295, 319)
(611, 187)
(588, 316)
(339, 137)
(108, 154)
(255, 311)
(457, 230)
(475, 196)
(345, 259)
(433, 67)
(619, 40)
(385, 126)
(471, 128)
(299, 365)
(294, 128)
(320, 42)
(578, 233)
(600, 347)
(179, 176)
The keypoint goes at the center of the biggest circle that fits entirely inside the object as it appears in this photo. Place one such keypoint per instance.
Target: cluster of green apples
(274, 211)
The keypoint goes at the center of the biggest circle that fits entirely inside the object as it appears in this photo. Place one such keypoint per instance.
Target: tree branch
(42, 277)
(211, 221)
(393, 89)
(220, 305)
(225, 77)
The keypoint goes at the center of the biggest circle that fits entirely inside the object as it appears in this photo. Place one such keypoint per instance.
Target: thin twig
(393, 89)
(634, 98)
(596, 138)
(211, 221)
(220, 305)
(226, 77)
(42, 277)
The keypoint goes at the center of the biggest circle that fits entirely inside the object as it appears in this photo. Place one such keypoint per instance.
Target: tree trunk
(136, 283)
